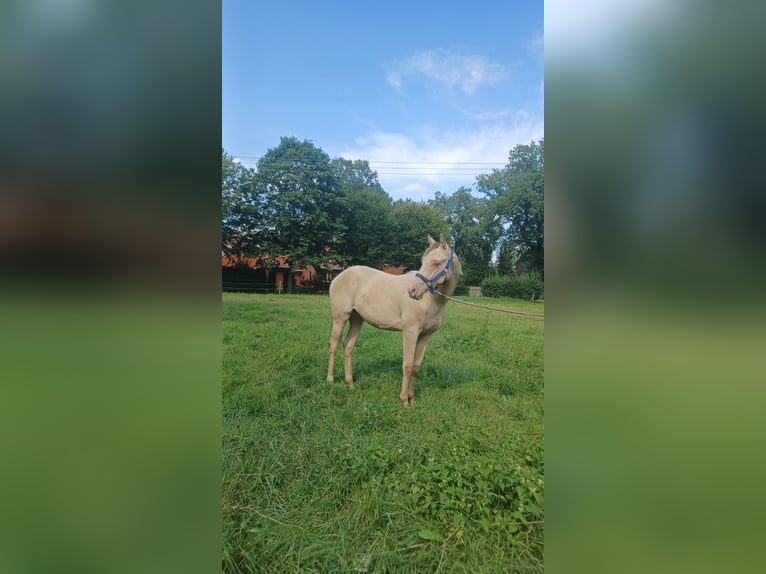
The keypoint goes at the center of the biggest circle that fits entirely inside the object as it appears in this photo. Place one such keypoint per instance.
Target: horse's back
(351, 282)
(380, 298)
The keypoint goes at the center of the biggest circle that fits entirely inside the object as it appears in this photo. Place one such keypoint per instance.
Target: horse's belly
(382, 317)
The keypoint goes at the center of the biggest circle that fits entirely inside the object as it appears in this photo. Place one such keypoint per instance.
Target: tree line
(301, 203)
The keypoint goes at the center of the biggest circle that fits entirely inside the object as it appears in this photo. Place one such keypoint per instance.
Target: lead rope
(490, 308)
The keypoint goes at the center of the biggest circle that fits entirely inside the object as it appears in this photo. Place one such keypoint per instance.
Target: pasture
(318, 477)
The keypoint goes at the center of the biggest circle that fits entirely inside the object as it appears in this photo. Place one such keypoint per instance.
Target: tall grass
(321, 478)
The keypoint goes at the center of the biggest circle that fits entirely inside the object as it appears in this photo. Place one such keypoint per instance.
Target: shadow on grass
(373, 368)
(444, 376)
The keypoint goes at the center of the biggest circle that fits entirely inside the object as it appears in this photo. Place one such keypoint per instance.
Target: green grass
(321, 478)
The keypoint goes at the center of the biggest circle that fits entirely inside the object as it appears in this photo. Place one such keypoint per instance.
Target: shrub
(530, 285)
(523, 287)
(496, 286)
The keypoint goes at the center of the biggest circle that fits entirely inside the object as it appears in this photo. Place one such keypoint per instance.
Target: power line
(424, 171)
(423, 164)
(406, 167)
(430, 173)
(414, 169)
(437, 162)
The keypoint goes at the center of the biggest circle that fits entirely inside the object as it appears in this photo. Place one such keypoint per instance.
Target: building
(259, 274)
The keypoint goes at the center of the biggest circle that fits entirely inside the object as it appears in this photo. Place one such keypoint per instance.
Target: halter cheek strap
(433, 282)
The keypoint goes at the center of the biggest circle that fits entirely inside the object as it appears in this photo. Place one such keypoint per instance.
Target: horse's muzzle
(413, 289)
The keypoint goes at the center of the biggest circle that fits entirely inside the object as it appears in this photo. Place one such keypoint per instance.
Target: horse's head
(439, 266)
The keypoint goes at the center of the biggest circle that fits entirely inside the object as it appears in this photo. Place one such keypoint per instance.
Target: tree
(369, 212)
(516, 195)
(410, 225)
(238, 206)
(303, 204)
(506, 258)
(473, 230)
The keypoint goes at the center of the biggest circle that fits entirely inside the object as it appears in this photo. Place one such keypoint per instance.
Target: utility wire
(416, 163)
(411, 168)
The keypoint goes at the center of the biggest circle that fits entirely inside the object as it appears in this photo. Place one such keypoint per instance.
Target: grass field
(321, 478)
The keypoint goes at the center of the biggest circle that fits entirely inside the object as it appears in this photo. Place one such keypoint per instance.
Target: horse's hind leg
(338, 322)
(355, 323)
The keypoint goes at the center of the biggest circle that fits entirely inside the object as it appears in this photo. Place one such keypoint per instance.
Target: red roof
(280, 261)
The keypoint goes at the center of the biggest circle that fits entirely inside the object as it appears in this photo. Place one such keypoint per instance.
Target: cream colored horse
(408, 303)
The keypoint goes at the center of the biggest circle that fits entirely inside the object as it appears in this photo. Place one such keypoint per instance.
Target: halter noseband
(432, 282)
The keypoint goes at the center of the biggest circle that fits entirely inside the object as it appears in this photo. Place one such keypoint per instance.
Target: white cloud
(448, 68)
(394, 80)
(487, 115)
(415, 191)
(415, 165)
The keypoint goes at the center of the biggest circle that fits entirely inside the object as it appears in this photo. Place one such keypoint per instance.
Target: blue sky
(430, 93)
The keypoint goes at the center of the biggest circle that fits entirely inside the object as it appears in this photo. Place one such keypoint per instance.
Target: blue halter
(432, 283)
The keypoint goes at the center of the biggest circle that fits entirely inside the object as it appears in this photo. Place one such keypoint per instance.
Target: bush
(524, 287)
(531, 285)
(496, 286)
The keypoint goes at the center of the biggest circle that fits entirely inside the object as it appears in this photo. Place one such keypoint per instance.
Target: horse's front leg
(409, 343)
(420, 351)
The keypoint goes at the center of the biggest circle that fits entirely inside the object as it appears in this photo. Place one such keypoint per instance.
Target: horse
(413, 304)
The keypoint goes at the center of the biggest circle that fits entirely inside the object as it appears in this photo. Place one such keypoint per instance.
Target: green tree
(516, 195)
(304, 206)
(473, 230)
(410, 225)
(239, 206)
(369, 211)
(506, 258)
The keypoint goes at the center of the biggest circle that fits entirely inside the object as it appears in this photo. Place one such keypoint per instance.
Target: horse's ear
(431, 241)
(442, 240)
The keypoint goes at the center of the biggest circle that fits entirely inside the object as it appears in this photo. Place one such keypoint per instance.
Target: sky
(430, 93)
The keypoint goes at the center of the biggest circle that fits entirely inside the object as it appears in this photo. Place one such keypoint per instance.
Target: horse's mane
(457, 266)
